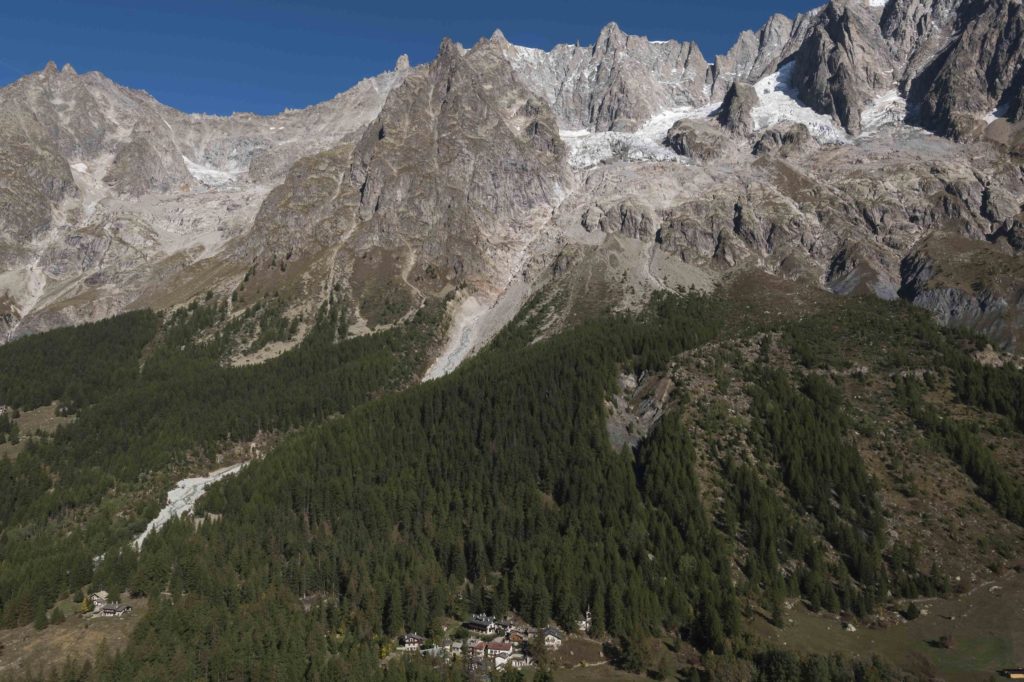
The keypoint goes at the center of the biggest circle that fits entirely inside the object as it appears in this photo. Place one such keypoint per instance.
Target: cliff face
(806, 151)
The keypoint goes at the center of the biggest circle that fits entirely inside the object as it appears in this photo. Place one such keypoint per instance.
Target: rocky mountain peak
(843, 62)
(402, 63)
(499, 38)
(611, 37)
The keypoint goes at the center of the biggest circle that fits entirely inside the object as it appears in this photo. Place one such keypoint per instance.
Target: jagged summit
(472, 173)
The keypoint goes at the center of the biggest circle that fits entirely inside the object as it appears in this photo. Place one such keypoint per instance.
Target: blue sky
(220, 56)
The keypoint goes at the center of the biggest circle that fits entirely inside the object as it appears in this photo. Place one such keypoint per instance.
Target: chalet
(98, 599)
(519, 661)
(412, 642)
(480, 622)
(552, 638)
(1013, 673)
(495, 649)
(113, 610)
(518, 637)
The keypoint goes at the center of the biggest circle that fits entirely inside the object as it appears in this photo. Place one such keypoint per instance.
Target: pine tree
(40, 620)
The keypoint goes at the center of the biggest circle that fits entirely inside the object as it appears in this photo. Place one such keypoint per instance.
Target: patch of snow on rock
(212, 177)
(588, 149)
(80, 167)
(998, 112)
(778, 102)
(182, 499)
(887, 110)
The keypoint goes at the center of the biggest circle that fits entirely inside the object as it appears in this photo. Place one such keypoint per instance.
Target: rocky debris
(784, 139)
(736, 113)
(699, 140)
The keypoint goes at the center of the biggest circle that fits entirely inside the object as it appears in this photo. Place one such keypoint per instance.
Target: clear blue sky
(220, 56)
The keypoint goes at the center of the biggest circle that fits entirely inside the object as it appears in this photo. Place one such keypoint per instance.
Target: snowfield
(588, 149)
(888, 109)
(208, 175)
(779, 103)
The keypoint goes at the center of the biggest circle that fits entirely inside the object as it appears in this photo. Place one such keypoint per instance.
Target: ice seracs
(888, 109)
(778, 102)
(588, 149)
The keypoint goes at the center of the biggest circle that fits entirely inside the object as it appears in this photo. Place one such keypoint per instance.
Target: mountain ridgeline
(861, 146)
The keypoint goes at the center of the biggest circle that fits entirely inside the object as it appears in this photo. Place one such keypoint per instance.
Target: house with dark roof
(412, 642)
(552, 638)
(481, 622)
(113, 610)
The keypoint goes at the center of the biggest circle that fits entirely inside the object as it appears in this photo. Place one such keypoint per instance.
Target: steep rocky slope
(833, 148)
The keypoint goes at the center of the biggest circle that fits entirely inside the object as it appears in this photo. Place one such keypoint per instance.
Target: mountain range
(624, 351)
(864, 146)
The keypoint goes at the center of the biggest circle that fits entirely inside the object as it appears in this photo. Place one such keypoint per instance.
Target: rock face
(784, 139)
(843, 62)
(616, 84)
(979, 72)
(737, 109)
(453, 172)
(755, 55)
(618, 168)
(108, 198)
(699, 140)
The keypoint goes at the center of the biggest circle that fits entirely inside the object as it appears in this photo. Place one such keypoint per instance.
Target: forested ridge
(493, 489)
(136, 415)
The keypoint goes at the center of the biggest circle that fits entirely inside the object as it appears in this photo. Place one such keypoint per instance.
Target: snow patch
(80, 167)
(888, 109)
(182, 499)
(208, 175)
(998, 112)
(779, 102)
(877, 3)
(588, 149)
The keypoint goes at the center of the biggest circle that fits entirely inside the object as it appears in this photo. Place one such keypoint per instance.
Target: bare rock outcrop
(616, 84)
(980, 71)
(699, 140)
(736, 113)
(784, 139)
(842, 62)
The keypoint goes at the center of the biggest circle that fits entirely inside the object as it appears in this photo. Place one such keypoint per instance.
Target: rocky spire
(737, 109)
(402, 63)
